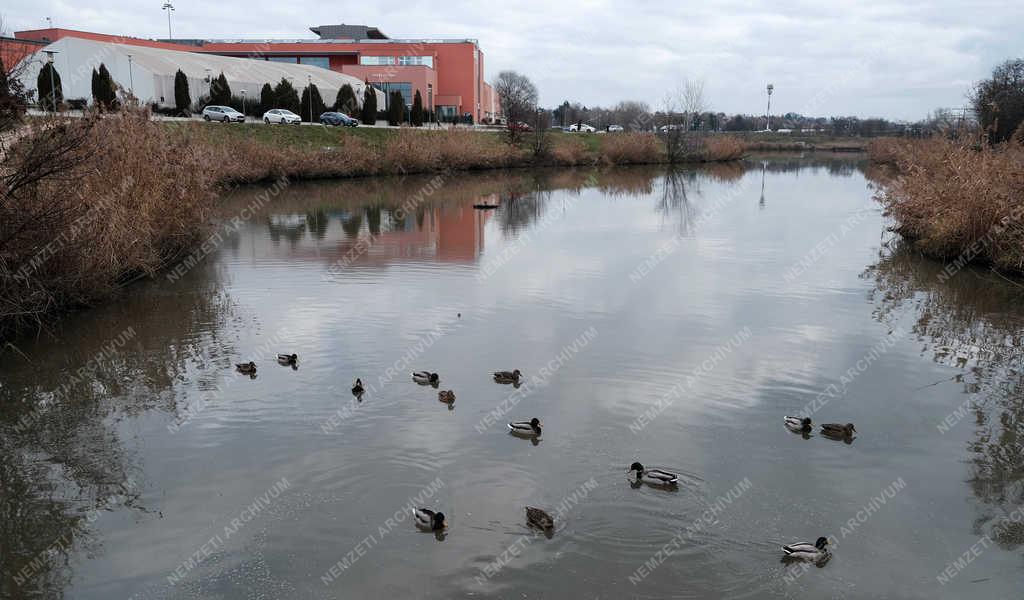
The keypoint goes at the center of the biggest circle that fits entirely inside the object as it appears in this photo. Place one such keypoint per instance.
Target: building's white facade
(151, 72)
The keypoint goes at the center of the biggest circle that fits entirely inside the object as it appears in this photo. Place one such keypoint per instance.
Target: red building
(449, 74)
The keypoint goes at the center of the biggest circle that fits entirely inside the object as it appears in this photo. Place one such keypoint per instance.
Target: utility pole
(768, 124)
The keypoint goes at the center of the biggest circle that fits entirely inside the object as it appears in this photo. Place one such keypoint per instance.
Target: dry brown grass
(570, 152)
(631, 149)
(122, 200)
(723, 148)
(958, 200)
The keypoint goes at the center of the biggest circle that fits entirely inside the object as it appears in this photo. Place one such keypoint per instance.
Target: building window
(402, 61)
(390, 86)
(317, 61)
(284, 59)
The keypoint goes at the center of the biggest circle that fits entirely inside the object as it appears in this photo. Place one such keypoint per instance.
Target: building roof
(151, 70)
(348, 32)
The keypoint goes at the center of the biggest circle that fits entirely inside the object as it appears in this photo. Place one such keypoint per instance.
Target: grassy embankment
(955, 200)
(88, 205)
(254, 152)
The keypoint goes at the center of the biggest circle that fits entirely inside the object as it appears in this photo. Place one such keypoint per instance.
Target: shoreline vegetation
(957, 200)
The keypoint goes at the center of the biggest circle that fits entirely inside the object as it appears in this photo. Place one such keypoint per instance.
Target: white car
(615, 128)
(224, 114)
(282, 116)
(584, 128)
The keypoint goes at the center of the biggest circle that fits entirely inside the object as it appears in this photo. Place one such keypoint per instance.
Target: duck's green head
(439, 522)
(821, 543)
(639, 468)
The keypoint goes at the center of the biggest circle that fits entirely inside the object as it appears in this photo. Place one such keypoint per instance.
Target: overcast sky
(825, 57)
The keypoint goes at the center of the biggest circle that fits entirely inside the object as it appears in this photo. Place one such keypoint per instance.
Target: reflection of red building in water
(453, 233)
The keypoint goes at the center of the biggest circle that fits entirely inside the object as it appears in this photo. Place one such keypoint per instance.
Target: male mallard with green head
(248, 368)
(426, 378)
(429, 520)
(528, 428)
(807, 551)
(653, 476)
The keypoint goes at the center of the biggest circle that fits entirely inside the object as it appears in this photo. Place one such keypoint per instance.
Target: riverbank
(953, 200)
(255, 152)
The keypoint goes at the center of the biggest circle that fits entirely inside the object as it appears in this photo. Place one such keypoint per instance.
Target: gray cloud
(894, 59)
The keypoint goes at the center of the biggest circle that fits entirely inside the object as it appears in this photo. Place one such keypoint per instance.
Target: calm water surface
(670, 319)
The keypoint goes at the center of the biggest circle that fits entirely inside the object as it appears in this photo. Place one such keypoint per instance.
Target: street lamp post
(49, 22)
(131, 78)
(768, 123)
(53, 90)
(169, 8)
(243, 104)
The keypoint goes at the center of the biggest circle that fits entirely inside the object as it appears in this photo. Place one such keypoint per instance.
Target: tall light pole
(53, 89)
(768, 123)
(243, 105)
(169, 8)
(49, 23)
(131, 78)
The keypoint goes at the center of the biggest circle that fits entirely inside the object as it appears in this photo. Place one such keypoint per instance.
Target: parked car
(224, 114)
(520, 126)
(575, 127)
(615, 128)
(338, 119)
(282, 116)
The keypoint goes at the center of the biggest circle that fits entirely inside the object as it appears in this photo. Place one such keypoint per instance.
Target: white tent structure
(150, 72)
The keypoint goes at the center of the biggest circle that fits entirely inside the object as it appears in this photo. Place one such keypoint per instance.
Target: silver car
(224, 114)
(282, 116)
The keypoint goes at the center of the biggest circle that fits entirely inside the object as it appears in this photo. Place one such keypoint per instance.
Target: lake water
(671, 319)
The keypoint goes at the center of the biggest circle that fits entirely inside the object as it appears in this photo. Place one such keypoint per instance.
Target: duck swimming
(838, 429)
(653, 476)
(807, 551)
(426, 378)
(799, 424)
(446, 396)
(530, 428)
(536, 517)
(507, 376)
(429, 520)
(248, 368)
(357, 389)
(287, 359)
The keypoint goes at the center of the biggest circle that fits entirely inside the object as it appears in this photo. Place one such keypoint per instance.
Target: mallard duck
(507, 376)
(538, 518)
(425, 378)
(287, 359)
(838, 429)
(446, 396)
(429, 520)
(798, 423)
(653, 476)
(248, 368)
(531, 427)
(807, 551)
(357, 389)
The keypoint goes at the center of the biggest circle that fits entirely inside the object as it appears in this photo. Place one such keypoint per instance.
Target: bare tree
(680, 110)
(518, 97)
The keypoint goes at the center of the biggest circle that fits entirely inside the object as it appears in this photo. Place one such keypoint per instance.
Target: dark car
(338, 119)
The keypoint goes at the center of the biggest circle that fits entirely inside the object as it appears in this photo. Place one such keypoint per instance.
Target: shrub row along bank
(87, 205)
(956, 201)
